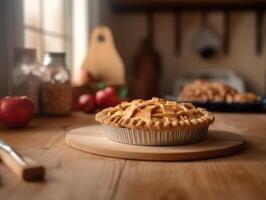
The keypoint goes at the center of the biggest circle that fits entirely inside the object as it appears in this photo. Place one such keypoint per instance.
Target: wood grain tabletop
(72, 174)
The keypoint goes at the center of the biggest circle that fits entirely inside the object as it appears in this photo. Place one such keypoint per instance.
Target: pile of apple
(103, 98)
(16, 112)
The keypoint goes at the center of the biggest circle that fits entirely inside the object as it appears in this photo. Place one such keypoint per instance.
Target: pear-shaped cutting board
(103, 60)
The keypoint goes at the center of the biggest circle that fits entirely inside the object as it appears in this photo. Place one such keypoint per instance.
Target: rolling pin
(23, 167)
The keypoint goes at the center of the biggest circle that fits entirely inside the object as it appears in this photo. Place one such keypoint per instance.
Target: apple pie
(155, 122)
(205, 91)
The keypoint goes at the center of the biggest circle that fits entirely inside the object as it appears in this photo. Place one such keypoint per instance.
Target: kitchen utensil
(206, 43)
(178, 32)
(226, 34)
(147, 65)
(91, 139)
(259, 31)
(23, 167)
(103, 60)
(147, 68)
(150, 27)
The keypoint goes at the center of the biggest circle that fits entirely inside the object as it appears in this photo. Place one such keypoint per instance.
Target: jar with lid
(56, 92)
(25, 75)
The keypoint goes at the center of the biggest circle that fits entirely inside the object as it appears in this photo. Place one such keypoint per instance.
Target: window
(59, 26)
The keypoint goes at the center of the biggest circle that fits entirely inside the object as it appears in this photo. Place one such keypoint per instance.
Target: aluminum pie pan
(179, 136)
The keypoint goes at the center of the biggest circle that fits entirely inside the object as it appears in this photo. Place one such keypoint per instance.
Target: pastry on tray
(205, 91)
(155, 122)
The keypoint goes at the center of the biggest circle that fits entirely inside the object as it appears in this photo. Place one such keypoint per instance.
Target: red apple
(16, 112)
(114, 101)
(110, 91)
(107, 97)
(100, 98)
(86, 103)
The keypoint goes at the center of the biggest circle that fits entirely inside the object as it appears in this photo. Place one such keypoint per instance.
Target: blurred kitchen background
(163, 44)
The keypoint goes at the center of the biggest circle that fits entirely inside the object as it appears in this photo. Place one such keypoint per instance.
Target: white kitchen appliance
(211, 74)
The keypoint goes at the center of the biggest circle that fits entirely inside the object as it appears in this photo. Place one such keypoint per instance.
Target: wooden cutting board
(91, 139)
(103, 60)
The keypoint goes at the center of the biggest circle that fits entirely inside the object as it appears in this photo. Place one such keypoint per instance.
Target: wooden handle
(23, 167)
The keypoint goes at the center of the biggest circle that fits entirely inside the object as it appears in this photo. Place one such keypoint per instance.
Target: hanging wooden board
(218, 143)
(103, 60)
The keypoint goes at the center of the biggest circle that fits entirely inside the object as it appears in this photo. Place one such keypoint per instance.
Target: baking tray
(259, 106)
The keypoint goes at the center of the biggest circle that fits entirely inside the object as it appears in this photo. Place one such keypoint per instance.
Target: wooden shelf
(125, 6)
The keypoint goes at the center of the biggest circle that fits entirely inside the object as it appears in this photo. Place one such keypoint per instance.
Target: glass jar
(25, 75)
(56, 92)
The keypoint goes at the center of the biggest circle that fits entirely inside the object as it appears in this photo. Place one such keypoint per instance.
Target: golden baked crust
(246, 98)
(154, 114)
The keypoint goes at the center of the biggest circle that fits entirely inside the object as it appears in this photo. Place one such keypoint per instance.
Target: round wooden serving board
(218, 143)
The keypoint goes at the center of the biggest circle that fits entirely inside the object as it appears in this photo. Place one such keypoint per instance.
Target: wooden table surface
(72, 174)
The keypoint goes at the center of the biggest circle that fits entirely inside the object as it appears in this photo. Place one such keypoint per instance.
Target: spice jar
(56, 94)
